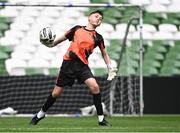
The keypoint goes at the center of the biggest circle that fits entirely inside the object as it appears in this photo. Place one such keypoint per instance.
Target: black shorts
(71, 70)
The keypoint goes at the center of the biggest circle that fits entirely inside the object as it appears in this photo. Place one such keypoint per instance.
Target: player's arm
(68, 35)
(106, 57)
(59, 40)
(111, 70)
(49, 39)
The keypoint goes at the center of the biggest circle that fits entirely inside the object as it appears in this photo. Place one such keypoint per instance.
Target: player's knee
(57, 92)
(56, 95)
(95, 89)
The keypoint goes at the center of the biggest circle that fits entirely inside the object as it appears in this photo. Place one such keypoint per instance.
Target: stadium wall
(27, 94)
(162, 95)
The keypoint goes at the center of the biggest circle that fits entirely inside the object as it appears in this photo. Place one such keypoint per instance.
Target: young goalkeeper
(75, 64)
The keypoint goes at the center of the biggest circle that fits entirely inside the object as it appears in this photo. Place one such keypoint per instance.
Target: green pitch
(157, 123)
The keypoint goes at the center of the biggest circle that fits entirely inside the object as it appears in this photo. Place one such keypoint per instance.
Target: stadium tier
(20, 26)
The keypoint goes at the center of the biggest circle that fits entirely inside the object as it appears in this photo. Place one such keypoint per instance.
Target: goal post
(134, 95)
(122, 96)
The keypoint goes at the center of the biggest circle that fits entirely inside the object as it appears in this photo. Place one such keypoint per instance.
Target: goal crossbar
(71, 5)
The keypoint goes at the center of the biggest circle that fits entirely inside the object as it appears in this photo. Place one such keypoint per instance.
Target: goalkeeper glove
(47, 42)
(111, 72)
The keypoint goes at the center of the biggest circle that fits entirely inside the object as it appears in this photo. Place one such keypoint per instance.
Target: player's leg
(57, 91)
(94, 88)
(64, 78)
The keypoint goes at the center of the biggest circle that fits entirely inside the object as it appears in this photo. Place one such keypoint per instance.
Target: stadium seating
(100, 71)
(3, 57)
(149, 71)
(152, 63)
(169, 71)
(124, 71)
(53, 71)
(161, 33)
(34, 71)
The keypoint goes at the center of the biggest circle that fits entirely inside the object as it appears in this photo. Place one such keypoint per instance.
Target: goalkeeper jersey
(83, 42)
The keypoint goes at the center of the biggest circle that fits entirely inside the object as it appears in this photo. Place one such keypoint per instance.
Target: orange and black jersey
(83, 42)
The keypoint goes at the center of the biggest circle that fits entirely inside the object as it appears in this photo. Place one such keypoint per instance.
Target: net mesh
(27, 94)
(32, 67)
(126, 97)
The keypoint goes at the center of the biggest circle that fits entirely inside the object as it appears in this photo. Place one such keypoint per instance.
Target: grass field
(157, 123)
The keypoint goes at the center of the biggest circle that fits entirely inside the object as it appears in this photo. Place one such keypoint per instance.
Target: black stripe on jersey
(97, 40)
(70, 35)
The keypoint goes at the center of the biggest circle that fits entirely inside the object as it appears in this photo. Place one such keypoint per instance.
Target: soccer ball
(47, 36)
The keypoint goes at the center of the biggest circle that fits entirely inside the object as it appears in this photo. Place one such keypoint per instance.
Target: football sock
(97, 103)
(40, 114)
(100, 118)
(50, 101)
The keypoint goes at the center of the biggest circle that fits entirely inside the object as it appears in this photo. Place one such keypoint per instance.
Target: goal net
(29, 69)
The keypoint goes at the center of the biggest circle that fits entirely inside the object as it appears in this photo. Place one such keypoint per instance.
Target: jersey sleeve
(100, 41)
(101, 45)
(70, 33)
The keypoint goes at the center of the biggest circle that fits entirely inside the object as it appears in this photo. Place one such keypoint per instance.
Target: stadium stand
(21, 52)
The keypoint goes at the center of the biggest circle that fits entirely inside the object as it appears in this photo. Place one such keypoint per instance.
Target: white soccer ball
(47, 36)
